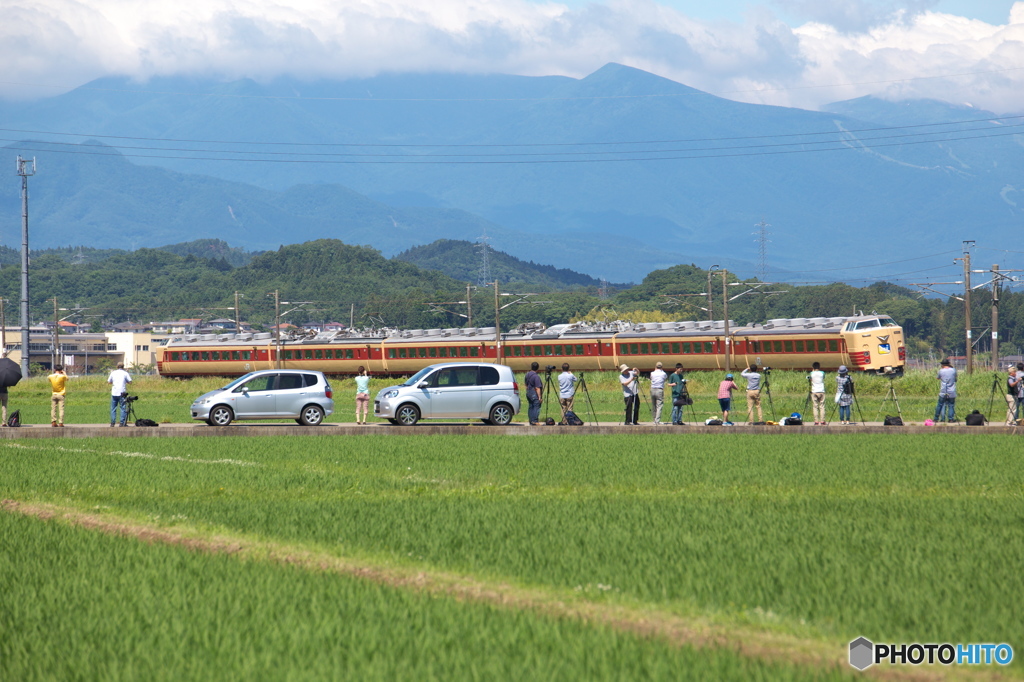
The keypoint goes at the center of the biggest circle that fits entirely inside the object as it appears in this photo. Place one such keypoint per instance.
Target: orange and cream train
(869, 343)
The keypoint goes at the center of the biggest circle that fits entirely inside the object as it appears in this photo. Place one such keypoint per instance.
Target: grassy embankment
(168, 400)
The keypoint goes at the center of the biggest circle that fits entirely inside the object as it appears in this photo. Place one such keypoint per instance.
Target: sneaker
(111, 423)
(728, 424)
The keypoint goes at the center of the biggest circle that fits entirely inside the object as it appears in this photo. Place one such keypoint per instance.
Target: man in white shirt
(658, 377)
(817, 381)
(119, 380)
(628, 379)
(566, 388)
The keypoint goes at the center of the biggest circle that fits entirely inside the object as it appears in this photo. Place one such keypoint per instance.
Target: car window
(488, 376)
(264, 382)
(286, 382)
(311, 379)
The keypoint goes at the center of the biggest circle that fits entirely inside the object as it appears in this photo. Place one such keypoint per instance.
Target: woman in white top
(362, 393)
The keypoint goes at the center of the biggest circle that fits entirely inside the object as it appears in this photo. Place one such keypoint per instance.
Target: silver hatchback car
(452, 390)
(302, 395)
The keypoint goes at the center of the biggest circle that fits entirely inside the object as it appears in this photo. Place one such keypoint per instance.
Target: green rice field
(654, 556)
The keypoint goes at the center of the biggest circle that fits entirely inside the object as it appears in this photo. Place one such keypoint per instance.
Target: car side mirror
(423, 384)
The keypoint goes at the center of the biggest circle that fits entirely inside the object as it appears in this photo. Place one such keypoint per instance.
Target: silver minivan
(452, 390)
(302, 395)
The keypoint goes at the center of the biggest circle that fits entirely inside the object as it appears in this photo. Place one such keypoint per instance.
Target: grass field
(168, 400)
(779, 549)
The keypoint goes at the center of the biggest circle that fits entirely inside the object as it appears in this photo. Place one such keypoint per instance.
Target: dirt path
(747, 641)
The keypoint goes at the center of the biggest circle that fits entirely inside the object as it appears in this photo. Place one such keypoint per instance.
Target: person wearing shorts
(362, 394)
(725, 389)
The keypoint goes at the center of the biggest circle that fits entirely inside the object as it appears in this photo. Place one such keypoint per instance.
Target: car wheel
(221, 415)
(407, 415)
(501, 415)
(312, 415)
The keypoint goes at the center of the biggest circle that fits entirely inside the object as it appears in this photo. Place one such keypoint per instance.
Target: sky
(803, 53)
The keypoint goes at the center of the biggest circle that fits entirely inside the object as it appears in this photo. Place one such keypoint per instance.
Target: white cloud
(63, 43)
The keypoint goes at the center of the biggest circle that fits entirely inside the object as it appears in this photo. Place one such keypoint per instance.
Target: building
(81, 353)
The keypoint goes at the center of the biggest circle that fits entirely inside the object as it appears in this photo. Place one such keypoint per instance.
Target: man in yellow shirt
(58, 382)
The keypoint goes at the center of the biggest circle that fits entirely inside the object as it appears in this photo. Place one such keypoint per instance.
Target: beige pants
(566, 404)
(57, 405)
(818, 404)
(754, 400)
(1011, 410)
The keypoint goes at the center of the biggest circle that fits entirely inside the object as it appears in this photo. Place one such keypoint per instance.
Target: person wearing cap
(816, 379)
(753, 378)
(534, 393)
(630, 387)
(58, 385)
(1014, 386)
(946, 405)
(678, 385)
(844, 395)
(658, 377)
(725, 389)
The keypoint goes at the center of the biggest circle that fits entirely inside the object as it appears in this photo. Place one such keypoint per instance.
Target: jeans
(534, 410)
(657, 401)
(118, 401)
(632, 406)
(677, 413)
(844, 413)
(949, 402)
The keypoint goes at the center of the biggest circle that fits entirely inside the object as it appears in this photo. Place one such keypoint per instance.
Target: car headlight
(391, 394)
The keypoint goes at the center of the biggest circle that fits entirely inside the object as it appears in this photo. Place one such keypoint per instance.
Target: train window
(402, 353)
(548, 351)
(247, 355)
(709, 347)
(800, 346)
(462, 351)
(234, 355)
(307, 353)
(867, 324)
(527, 351)
(644, 349)
(287, 354)
(579, 349)
(204, 355)
(788, 346)
(558, 350)
(174, 356)
(474, 352)
(569, 350)
(634, 349)
(777, 346)
(517, 351)
(675, 349)
(822, 346)
(318, 353)
(686, 348)
(433, 352)
(833, 346)
(887, 322)
(391, 353)
(348, 353)
(421, 352)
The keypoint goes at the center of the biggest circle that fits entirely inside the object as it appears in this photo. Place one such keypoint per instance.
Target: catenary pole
(995, 317)
(725, 315)
(26, 168)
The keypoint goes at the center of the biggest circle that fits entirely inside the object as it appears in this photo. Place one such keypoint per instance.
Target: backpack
(570, 419)
(14, 419)
(549, 422)
(975, 419)
(713, 422)
(145, 422)
(848, 386)
(792, 421)
(892, 421)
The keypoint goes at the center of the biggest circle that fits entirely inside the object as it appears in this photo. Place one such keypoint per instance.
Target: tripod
(130, 417)
(641, 396)
(767, 388)
(590, 405)
(891, 395)
(996, 380)
(549, 391)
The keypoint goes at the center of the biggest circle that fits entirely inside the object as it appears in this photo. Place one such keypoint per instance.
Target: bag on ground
(975, 419)
(145, 422)
(892, 421)
(712, 421)
(14, 419)
(570, 419)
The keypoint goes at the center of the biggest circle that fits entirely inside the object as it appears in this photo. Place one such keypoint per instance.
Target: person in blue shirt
(534, 393)
(362, 394)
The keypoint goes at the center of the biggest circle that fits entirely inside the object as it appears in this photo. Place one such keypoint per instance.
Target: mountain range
(612, 175)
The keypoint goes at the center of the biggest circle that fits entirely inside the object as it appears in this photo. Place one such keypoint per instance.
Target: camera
(767, 370)
(549, 367)
(130, 398)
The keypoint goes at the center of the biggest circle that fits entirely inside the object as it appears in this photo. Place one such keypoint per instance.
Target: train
(866, 343)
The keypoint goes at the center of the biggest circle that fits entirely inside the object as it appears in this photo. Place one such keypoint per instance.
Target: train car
(869, 343)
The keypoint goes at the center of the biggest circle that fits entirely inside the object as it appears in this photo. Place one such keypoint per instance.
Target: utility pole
(3, 327)
(711, 296)
(968, 243)
(725, 313)
(25, 170)
(277, 327)
(352, 316)
(469, 306)
(497, 326)
(995, 317)
(238, 317)
(55, 357)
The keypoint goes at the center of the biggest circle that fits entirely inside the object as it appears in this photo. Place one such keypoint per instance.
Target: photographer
(534, 393)
(753, 378)
(566, 389)
(629, 378)
(658, 377)
(677, 383)
(119, 380)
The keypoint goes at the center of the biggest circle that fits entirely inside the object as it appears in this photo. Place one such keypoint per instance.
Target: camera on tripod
(130, 398)
(549, 367)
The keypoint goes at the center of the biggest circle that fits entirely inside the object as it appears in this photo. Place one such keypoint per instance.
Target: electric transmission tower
(485, 259)
(762, 241)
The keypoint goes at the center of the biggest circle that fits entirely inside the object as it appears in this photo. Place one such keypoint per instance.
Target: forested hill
(210, 249)
(464, 261)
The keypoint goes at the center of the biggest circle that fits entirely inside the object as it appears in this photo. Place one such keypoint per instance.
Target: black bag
(145, 422)
(14, 419)
(713, 422)
(758, 423)
(792, 421)
(570, 419)
(683, 400)
(549, 421)
(975, 419)
(892, 421)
